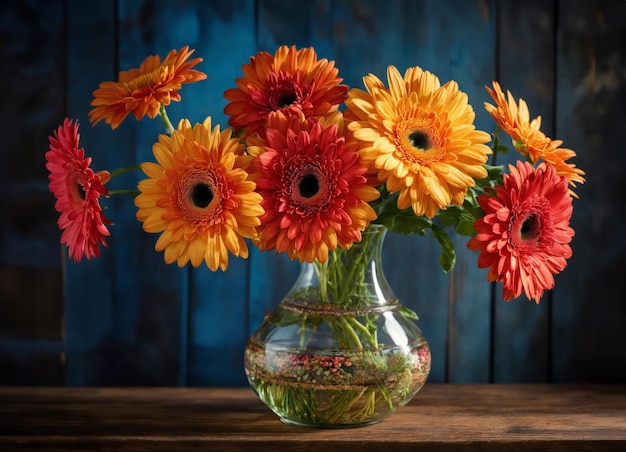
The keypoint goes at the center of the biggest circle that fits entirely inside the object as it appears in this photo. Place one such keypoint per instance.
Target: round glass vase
(339, 350)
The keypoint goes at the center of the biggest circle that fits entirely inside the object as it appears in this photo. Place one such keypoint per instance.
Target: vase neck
(350, 278)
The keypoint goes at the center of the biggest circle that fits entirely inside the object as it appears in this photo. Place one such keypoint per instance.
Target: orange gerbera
(198, 197)
(524, 236)
(143, 91)
(77, 190)
(420, 138)
(315, 193)
(290, 81)
(514, 119)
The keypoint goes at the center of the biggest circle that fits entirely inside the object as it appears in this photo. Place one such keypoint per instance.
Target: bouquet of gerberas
(311, 168)
(296, 173)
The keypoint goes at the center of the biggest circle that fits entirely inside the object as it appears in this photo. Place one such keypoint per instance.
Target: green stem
(122, 191)
(496, 145)
(169, 128)
(119, 171)
(322, 276)
(348, 324)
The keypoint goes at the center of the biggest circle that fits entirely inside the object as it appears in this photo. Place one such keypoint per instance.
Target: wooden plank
(440, 417)
(31, 303)
(124, 309)
(527, 38)
(31, 343)
(127, 313)
(457, 47)
(151, 296)
(360, 44)
(218, 309)
(364, 43)
(589, 308)
(272, 275)
(89, 285)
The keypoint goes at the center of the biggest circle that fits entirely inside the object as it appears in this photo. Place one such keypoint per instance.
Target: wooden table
(441, 417)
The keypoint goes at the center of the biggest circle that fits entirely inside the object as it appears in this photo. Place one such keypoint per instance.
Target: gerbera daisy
(77, 190)
(514, 118)
(420, 137)
(528, 139)
(524, 235)
(290, 81)
(315, 193)
(557, 157)
(144, 90)
(198, 197)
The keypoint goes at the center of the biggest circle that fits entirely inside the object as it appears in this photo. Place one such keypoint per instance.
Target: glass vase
(339, 350)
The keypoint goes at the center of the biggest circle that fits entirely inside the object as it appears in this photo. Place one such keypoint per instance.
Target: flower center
(286, 99)
(144, 82)
(283, 90)
(80, 191)
(76, 187)
(419, 140)
(531, 224)
(309, 186)
(531, 227)
(201, 195)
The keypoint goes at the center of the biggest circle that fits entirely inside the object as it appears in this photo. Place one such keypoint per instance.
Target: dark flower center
(81, 191)
(201, 195)
(309, 186)
(286, 99)
(530, 228)
(419, 140)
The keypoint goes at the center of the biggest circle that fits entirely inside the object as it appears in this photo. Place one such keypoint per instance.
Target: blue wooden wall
(129, 319)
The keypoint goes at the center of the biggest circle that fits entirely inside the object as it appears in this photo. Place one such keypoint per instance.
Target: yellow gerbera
(420, 138)
(199, 197)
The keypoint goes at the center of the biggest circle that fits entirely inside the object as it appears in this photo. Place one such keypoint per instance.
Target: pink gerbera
(77, 190)
(315, 193)
(524, 235)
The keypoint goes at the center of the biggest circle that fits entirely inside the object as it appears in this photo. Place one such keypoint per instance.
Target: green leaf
(494, 176)
(466, 228)
(408, 313)
(447, 259)
(405, 222)
(451, 216)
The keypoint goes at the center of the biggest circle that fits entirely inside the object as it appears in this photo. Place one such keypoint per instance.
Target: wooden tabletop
(441, 417)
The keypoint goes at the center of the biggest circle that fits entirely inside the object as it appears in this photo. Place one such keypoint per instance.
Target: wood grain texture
(129, 319)
(32, 49)
(441, 417)
(589, 308)
(219, 302)
(526, 39)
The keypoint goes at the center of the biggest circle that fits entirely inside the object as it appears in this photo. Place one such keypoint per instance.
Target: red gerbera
(77, 190)
(315, 193)
(290, 81)
(525, 234)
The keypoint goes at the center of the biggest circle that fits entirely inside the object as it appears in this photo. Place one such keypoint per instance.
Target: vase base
(329, 426)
